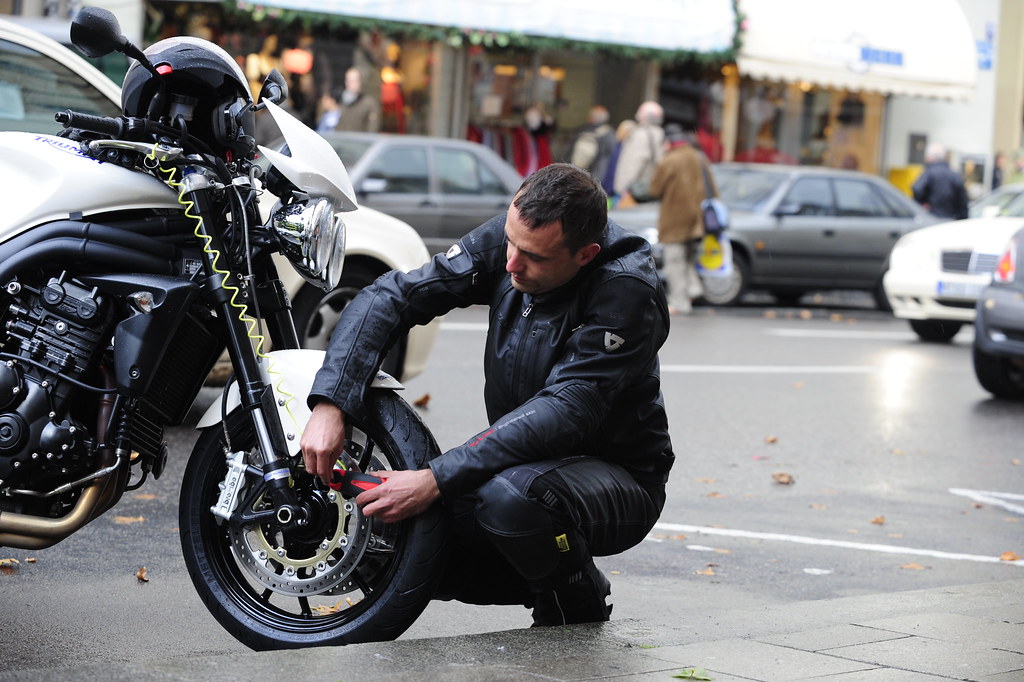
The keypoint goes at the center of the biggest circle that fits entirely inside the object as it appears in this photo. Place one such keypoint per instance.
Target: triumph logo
(612, 341)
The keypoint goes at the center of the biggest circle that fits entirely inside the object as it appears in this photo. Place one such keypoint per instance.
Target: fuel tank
(47, 178)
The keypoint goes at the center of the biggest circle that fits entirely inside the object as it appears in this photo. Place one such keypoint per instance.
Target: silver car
(442, 187)
(796, 229)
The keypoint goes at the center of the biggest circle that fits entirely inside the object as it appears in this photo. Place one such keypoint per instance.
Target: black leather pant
(536, 524)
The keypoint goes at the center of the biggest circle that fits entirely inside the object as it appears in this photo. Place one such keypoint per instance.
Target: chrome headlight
(312, 237)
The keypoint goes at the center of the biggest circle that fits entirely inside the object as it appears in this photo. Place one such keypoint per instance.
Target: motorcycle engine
(53, 337)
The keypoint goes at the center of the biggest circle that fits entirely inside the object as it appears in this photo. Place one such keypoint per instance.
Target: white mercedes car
(39, 76)
(936, 273)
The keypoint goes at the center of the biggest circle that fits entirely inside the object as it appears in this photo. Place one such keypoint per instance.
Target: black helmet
(199, 81)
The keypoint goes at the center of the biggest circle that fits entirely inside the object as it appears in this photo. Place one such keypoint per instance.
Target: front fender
(290, 374)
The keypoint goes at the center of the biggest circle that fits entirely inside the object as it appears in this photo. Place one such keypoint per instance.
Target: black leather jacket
(570, 372)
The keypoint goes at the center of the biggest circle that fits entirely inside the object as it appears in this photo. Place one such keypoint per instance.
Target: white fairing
(314, 166)
(290, 373)
(47, 178)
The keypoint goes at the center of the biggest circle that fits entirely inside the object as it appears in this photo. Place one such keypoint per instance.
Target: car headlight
(312, 238)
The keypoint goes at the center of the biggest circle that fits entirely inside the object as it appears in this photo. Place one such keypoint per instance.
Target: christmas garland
(463, 37)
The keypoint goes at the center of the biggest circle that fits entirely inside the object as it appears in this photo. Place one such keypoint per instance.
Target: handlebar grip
(96, 124)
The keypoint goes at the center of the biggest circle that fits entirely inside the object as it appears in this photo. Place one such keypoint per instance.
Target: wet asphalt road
(904, 474)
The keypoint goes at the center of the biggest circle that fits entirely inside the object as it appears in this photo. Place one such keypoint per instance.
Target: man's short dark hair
(563, 192)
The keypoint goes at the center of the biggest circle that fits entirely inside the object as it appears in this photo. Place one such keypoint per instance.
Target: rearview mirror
(787, 209)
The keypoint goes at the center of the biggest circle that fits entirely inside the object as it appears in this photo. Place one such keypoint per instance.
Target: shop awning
(687, 25)
(906, 47)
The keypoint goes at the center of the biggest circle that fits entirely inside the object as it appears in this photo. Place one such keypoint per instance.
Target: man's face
(538, 259)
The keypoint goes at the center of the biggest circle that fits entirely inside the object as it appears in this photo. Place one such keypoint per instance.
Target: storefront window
(802, 124)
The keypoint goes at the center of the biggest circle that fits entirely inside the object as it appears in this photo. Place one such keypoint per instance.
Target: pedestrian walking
(679, 181)
(940, 189)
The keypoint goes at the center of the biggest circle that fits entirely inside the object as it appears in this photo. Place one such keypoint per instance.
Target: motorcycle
(132, 258)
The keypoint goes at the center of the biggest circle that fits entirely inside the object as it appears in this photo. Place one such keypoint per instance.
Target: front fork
(257, 398)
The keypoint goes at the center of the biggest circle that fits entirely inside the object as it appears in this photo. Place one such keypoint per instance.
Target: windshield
(744, 189)
(1005, 201)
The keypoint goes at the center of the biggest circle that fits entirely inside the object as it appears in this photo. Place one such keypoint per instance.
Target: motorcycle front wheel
(342, 578)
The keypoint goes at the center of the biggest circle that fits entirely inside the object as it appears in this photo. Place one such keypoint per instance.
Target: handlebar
(103, 125)
(117, 127)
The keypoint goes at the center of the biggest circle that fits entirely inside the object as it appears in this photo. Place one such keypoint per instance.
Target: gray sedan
(796, 229)
(442, 187)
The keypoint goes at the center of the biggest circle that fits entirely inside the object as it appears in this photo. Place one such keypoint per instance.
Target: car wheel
(727, 290)
(1002, 377)
(316, 312)
(938, 331)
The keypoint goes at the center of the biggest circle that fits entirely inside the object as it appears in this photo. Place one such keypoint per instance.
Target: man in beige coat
(678, 181)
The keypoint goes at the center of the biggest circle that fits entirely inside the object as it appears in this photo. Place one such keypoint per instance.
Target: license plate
(959, 290)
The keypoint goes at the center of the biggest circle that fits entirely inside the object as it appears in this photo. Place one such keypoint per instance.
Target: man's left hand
(401, 495)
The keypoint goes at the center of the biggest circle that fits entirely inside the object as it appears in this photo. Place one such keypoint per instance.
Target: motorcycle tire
(345, 578)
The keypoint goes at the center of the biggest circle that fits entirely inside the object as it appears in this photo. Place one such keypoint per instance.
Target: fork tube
(256, 396)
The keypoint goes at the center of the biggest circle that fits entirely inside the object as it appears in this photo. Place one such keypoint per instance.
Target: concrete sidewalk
(972, 632)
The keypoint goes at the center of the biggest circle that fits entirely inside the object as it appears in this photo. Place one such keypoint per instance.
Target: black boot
(580, 598)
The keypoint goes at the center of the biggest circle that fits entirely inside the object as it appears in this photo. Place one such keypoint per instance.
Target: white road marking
(992, 498)
(841, 334)
(823, 542)
(771, 369)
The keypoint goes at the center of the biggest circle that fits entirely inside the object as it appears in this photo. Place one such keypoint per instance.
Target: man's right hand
(323, 439)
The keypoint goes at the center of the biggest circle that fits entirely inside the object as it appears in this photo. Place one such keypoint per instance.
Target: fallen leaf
(978, 505)
(8, 566)
(692, 674)
(818, 506)
(897, 451)
(715, 494)
(423, 401)
(327, 610)
(913, 566)
(771, 439)
(30, 560)
(679, 537)
(853, 531)
(723, 551)
(129, 519)
(783, 478)
(1015, 461)
(798, 384)
(616, 572)
(1009, 556)
(895, 535)
(145, 496)
(878, 520)
(141, 575)
(708, 571)
(9, 562)
(705, 480)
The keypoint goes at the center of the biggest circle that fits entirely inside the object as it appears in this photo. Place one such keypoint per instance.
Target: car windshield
(1005, 201)
(350, 150)
(744, 189)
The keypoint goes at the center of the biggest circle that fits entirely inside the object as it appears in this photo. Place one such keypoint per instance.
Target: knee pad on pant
(522, 528)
